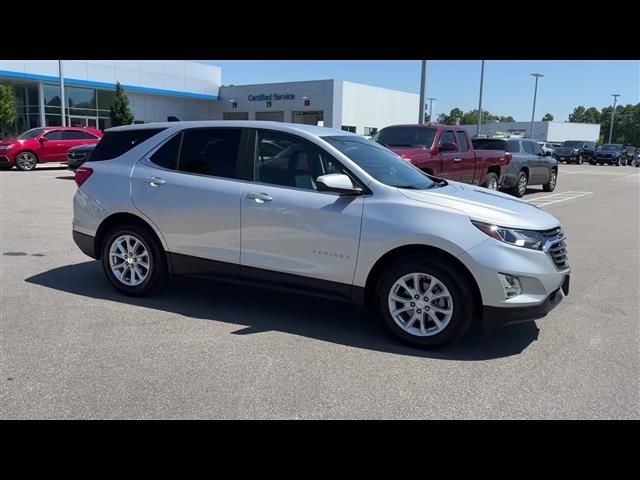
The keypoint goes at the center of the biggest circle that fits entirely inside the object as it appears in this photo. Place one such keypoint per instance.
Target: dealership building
(161, 89)
(554, 132)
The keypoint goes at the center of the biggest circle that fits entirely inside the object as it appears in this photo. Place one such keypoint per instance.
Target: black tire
(580, 160)
(550, 186)
(518, 190)
(453, 280)
(6, 167)
(617, 164)
(491, 182)
(156, 260)
(26, 161)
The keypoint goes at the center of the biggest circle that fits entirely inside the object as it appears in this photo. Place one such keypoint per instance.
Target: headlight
(6, 147)
(520, 238)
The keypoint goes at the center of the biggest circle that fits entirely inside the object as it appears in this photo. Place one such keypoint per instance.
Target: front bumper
(540, 280)
(495, 317)
(5, 160)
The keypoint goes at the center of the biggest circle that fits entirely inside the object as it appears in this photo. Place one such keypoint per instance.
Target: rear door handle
(457, 159)
(154, 181)
(260, 197)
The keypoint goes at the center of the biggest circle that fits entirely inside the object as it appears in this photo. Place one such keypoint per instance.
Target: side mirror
(42, 139)
(448, 147)
(338, 183)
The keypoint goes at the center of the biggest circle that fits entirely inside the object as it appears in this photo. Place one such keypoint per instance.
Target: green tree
(578, 115)
(506, 119)
(120, 113)
(547, 117)
(7, 107)
(592, 115)
(450, 119)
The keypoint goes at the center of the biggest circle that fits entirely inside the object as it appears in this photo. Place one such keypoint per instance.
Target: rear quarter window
(114, 144)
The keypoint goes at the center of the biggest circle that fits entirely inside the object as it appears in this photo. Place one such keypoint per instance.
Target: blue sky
(508, 87)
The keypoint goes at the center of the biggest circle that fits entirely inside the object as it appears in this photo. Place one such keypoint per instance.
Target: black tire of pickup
(491, 182)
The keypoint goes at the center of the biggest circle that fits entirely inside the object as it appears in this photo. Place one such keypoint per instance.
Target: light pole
(535, 93)
(480, 102)
(64, 120)
(423, 85)
(431, 99)
(613, 114)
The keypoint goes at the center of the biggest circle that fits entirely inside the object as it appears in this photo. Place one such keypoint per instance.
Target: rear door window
(72, 135)
(211, 151)
(114, 144)
(513, 146)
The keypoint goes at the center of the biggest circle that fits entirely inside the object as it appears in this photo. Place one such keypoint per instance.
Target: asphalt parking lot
(71, 347)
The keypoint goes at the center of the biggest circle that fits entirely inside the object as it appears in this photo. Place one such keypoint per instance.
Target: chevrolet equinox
(312, 209)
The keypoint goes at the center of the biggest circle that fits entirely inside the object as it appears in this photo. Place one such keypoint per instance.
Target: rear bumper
(495, 317)
(86, 243)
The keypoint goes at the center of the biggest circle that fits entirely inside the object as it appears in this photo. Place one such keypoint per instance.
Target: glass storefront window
(105, 99)
(81, 97)
(52, 95)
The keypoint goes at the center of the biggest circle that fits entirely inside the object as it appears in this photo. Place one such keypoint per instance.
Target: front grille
(557, 247)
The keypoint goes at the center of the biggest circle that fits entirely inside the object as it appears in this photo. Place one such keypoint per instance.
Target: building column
(41, 100)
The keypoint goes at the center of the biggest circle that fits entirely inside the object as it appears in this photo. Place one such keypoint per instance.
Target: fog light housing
(510, 285)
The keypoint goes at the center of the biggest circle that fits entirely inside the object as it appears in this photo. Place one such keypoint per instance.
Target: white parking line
(557, 197)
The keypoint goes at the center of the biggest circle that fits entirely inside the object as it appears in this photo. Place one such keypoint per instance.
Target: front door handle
(457, 159)
(260, 197)
(154, 181)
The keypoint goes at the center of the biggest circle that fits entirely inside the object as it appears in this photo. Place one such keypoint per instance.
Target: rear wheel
(520, 187)
(491, 181)
(550, 186)
(132, 260)
(26, 161)
(425, 302)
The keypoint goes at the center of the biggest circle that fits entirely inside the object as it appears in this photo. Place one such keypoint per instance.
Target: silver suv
(316, 210)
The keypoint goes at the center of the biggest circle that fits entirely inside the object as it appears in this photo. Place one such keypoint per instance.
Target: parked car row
(580, 151)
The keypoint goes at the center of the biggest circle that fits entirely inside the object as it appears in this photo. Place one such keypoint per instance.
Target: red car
(44, 144)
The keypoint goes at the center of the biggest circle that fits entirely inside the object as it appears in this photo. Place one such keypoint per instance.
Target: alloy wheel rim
(420, 304)
(522, 184)
(553, 180)
(26, 161)
(129, 260)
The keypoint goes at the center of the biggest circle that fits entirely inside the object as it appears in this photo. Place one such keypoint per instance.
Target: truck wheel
(424, 301)
(491, 182)
(520, 187)
(550, 186)
(579, 159)
(132, 260)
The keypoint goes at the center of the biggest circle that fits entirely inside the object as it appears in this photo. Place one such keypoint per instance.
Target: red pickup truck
(445, 151)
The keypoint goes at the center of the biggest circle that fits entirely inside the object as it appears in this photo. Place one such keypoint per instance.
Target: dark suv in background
(576, 151)
(611, 154)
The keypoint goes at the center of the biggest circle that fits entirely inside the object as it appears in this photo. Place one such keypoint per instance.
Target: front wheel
(580, 160)
(491, 181)
(132, 260)
(26, 161)
(425, 302)
(550, 186)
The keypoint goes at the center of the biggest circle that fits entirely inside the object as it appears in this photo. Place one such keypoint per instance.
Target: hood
(486, 206)
(10, 141)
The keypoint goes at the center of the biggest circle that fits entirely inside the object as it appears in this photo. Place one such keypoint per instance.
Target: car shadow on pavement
(262, 310)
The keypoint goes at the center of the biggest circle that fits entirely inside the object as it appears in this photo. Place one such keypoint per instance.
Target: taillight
(507, 158)
(82, 174)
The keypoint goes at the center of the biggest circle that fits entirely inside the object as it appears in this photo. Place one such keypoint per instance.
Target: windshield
(382, 164)
(573, 144)
(406, 137)
(610, 146)
(29, 134)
